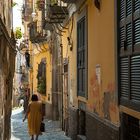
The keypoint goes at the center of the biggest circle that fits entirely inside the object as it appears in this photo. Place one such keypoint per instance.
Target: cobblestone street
(19, 128)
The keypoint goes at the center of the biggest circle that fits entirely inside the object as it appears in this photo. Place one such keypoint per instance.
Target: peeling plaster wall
(7, 63)
(102, 93)
(7, 67)
(6, 13)
(38, 56)
(101, 44)
(102, 99)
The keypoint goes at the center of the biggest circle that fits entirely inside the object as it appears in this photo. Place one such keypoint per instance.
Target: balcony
(34, 35)
(47, 26)
(56, 12)
(32, 31)
(70, 1)
(27, 11)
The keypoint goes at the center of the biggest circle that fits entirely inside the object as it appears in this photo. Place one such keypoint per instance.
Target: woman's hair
(34, 97)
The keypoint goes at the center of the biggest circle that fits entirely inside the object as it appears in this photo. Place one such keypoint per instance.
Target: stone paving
(19, 128)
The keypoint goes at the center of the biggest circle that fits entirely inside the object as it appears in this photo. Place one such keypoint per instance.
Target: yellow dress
(34, 117)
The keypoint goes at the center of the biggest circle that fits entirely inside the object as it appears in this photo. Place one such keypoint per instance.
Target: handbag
(42, 127)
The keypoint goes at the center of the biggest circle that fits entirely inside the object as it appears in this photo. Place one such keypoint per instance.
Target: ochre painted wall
(36, 60)
(101, 52)
(71, 55)
(102, 96)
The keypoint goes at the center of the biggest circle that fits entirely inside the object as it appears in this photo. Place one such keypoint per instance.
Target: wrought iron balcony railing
(32, 31)
(34, 35)
(56, 11)
(70, 1)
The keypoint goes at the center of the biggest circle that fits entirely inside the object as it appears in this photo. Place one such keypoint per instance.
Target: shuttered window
(32, 30)
(129, 53)
(81, 49)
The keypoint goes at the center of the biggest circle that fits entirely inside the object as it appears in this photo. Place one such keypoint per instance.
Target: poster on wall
(98, 73)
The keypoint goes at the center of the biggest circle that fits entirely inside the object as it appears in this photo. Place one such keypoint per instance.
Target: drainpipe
(62, 79)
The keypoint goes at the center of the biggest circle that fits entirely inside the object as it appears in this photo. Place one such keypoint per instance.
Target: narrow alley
(19, 131)
(76, 61)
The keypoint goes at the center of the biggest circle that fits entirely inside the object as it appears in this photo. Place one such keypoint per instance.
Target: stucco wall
(101, 56)
(7, 67)
(37, 56)
(102, 96)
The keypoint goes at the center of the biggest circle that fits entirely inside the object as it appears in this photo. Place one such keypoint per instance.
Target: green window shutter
(124, 77)
(129, 35)
(135, 78)
(136, 5)
(129, 53)
(81, 76)
(137, 31)
(128, 7)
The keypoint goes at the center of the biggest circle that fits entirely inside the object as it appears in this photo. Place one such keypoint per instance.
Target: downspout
(62, 80)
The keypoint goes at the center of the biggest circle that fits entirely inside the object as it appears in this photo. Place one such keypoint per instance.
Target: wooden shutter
(129, 53)
(135, 78)
(81, 57)
(137, 31)
(124, 77)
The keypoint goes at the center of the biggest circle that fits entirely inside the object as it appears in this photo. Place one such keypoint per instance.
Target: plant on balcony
(14, 4)
(41, 77)
(18, 33)
(41, 88)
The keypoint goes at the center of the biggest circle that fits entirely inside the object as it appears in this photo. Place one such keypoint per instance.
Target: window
(81, 57)
(41, 76)
(129, 53)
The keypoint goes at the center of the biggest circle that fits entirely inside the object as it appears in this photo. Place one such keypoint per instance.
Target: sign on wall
(98, 73)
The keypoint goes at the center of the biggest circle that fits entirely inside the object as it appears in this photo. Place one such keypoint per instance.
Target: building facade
(103, 67)
(7, 63)
(40, 69)
(128, 67)
(42, 77)
(89, 46)
(95, 66)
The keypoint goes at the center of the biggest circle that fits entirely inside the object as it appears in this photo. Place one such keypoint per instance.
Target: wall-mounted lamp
(33, 15)
(97, 4)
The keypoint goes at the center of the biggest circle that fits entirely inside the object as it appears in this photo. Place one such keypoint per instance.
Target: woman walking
(34, 117)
